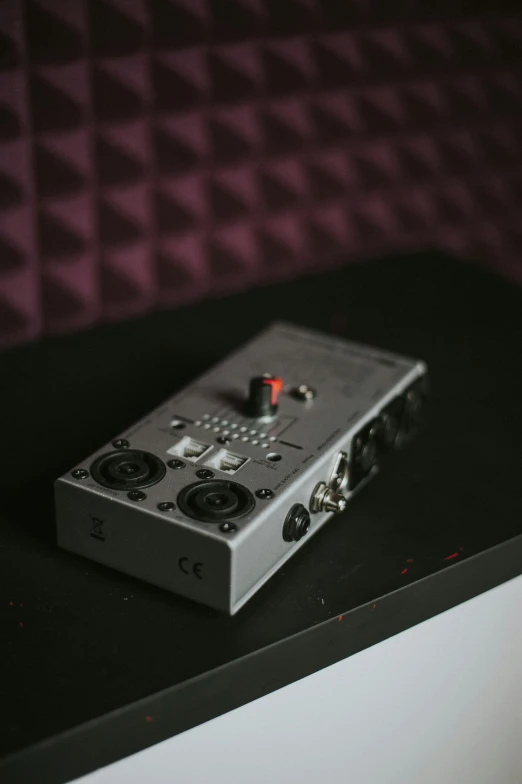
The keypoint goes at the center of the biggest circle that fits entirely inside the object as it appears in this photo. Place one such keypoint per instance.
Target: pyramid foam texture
(155, 152)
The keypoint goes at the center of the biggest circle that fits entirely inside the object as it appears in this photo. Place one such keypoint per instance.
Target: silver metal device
(213, 491)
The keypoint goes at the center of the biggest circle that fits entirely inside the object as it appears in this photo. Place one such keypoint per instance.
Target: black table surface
(97, 665)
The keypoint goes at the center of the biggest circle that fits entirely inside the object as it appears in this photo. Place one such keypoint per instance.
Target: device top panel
(321, 385)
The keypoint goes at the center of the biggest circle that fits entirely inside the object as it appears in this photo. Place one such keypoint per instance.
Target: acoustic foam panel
(154, 152)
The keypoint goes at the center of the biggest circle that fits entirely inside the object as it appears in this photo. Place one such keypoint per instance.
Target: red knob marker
(276, 385)
(263, 394)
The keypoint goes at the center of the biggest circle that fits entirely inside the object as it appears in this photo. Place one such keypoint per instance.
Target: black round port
(215, 500)
(364, 455)
(413, 411)
(128, 469)
(387, 429)
(221, 500)
(297, 523)
(367, 456)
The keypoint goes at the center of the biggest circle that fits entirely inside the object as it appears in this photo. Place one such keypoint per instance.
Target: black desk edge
(144, 723)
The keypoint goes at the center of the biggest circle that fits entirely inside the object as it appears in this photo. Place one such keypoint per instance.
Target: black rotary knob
(262, 396)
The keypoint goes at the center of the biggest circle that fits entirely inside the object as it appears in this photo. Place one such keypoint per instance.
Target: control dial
(262, 396)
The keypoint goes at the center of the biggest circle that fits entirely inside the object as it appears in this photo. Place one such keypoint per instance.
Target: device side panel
(139, 542)
(262, 549)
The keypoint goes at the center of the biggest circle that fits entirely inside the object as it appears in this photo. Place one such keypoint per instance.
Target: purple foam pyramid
(154, 152)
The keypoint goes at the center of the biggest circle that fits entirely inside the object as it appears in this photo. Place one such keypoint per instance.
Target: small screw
(228, 528)
(166, 506)
(120, 443)
(176, 463)
(80, 473)
(264, 493)
(205, 473)
(304, 392)
(223, 440)
(136, 495)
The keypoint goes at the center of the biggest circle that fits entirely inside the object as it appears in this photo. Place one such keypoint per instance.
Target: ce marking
(187, 567)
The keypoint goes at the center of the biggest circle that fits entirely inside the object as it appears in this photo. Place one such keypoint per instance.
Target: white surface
(438, 704)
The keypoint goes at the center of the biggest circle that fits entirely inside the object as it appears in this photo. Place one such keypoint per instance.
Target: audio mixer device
(213, 491)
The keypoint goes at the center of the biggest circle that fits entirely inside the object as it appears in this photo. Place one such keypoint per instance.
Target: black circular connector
(387, 425)
(215, 500)
(366, 455)
(297, 523)
(128, 469)
(413, 411)
(121, 443)
(389, 429)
